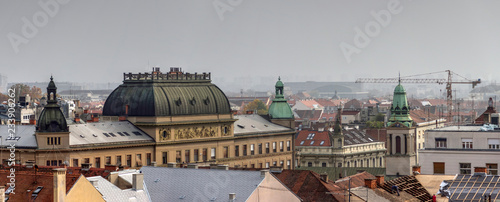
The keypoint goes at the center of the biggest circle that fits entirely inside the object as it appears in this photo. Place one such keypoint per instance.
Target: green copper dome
(400, 110)
(280, 109)
(170, 94)
(52, 119)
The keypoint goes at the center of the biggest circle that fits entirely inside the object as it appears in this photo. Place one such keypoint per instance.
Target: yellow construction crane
(448, 82)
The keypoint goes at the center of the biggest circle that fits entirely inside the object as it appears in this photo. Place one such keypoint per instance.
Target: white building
(458, 149)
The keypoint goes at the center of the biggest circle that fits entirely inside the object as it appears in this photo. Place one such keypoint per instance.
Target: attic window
(213, 198)
(94, 135)
(37, 191)
(312, 142)
(137, 133)
(322, 142)
(180, 197)
(241, 126)
(113, 135)
(126, 133)
(266, 125)
(82, 136)
(253, 126)
(302, 142)
(105, 134)
(120, 133)
(157, 180)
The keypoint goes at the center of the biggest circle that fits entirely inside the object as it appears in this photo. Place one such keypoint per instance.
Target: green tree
(375, 124)
(256, 105)
(380, 117)
(22, 90)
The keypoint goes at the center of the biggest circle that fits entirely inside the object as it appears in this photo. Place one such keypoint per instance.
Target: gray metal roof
(26, 134)
(111, 192)
(106, 132)
(255, 124)
(183, 184)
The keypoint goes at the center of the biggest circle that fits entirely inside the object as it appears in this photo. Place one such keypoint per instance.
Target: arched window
(374, 162)
(309, 164)
(348, 164)
(398, 145)
(340, 143)
(355, 163)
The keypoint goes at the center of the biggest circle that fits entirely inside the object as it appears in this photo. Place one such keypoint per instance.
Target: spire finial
(399, 80)
(51, 78)
(279, 78)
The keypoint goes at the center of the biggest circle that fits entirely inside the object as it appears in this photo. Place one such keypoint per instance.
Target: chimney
(93, 182)
(480, 170)
(59, 184)
(154, 163)
(122, 118)
(263, 173)
(77, 119)
(371, 183)
(137, 181)
(232, 196)
(380, 179)
(416, 170)
(113, 178)
(192, 165)
(171, 165)
(324, 177)
(2, 193)
(223, 167)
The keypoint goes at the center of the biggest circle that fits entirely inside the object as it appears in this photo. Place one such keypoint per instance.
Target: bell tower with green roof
(400, 140)
(280, 111)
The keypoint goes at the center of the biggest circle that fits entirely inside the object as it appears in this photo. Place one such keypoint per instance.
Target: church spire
(400, 110)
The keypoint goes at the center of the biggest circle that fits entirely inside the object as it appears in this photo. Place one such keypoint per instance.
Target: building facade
(458, 149)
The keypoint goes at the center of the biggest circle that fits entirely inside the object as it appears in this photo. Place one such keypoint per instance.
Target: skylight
(105, 134)
(301, 143)
(137, 133)
(312, 142)
(322, 142)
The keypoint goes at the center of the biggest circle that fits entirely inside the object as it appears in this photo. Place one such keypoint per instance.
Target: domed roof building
(52, 119)
(171, 94)
(280, 109)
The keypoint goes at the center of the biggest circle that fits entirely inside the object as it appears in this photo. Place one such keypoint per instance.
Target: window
(492, 168)
(494, 143)
(186, 156)
(267, 148)
(236, 150)
(312, 142)
(466, 143)
(465, 168)
(274, 147)
(438, 167)
(260, 165)
(195, 155)
(108, 160)
(309, 164)
(339, 165)
(323, 164)
(148, 159)
(252, 152)
(310, 136)
(225, 152)
(129, 160)
(282, 163)
(178, 156)
(75, 163)
(212, 153)
(275, 163)
(302, 142)
(288, 166)
(244, 150)
(398, 145)
(440, 142)
(53, 140)
(98, 162)
(260, 149)
(118, 160)
(164, 157)
(138, 160)
(281, 146)
(418, 145)
(86, 160)
(205, 153)
(288, 145)
(267, 164)
(322, 142)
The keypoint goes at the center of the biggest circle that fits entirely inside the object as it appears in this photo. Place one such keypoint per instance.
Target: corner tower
(280, 111)
(401, 152)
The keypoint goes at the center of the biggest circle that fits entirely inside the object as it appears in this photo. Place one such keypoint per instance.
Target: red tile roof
(318, 137)
(357, 180)
(27, 180)
(309, 186)
(312, 115)
(350, 112)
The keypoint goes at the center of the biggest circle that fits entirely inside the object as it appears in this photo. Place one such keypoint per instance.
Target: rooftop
(255, 124)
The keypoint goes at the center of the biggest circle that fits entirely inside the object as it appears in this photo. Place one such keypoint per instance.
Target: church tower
(400, 141)
(52, 130)
(336, 136)
(280, 111)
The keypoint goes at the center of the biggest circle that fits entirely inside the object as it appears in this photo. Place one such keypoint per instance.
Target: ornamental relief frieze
(195, 132)
(164, 134)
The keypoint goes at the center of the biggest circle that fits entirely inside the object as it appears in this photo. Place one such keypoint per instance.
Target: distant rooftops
(174, 75)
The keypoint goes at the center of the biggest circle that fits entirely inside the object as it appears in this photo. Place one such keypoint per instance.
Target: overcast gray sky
(96, 41)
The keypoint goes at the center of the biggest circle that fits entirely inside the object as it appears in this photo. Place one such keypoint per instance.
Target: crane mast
(448, 82)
